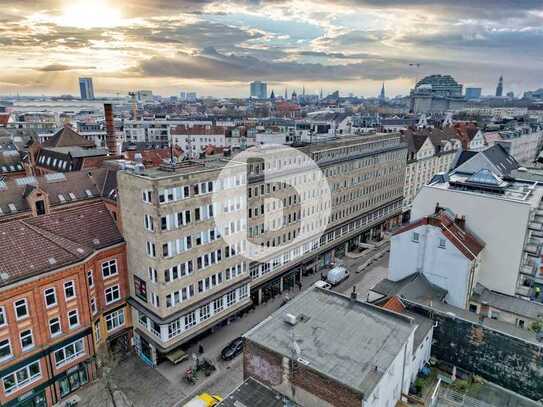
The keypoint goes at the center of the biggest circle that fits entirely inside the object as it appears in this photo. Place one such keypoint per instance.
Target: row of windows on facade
(56, 163)
(195, 317)
(109, 269)
(345, 152)
(31, 373)
(415, 237)
(260, 269)
(174, 194)
(203, 285)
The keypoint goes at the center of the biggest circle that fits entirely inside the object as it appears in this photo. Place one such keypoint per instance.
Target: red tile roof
(37, 245)
(153, 157)
(4, 118)
(394, 304)
(468, 244)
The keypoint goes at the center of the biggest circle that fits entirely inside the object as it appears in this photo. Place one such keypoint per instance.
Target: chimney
(354, 294)
(111, 142)
(438, 208)
(460, 221)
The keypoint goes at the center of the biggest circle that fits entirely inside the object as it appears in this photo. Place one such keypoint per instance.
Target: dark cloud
(212, 65)
(62, 68)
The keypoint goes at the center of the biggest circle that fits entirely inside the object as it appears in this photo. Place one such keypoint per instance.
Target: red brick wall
(266, 366)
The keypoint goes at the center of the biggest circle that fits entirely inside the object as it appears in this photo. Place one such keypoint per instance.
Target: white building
(196, 138)
(441, 248)
(523, 143)
(507, 214)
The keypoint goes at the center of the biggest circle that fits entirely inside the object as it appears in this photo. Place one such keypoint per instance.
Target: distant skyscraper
(86, 88)
(473, 93)
(499, 88)
(259, 90)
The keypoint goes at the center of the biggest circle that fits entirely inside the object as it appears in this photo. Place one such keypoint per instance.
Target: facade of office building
(86, 88)
(189, 273)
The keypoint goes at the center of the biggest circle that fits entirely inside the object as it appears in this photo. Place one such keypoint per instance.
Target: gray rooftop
(514, 305)
(415, 287)
(252, 393)
(351, 342)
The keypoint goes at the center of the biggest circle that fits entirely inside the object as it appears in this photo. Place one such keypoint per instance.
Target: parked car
(233, 349)
(337, 275)
(204, 400)
(323, 284)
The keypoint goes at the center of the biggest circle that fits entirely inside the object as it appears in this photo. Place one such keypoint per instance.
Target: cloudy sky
(215, 47)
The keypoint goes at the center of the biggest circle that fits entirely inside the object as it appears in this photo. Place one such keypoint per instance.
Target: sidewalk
(228, 374)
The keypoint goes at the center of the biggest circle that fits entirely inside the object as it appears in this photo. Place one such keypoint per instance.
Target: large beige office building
(192, 230)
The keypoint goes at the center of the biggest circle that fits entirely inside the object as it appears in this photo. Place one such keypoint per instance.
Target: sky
(216, 47)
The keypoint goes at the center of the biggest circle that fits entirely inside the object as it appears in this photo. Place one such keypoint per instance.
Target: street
(164, 386)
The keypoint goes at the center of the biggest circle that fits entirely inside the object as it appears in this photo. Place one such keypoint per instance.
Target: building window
(54, 327)
(230, 298)
(112, 294)
(22, 377)
(190, 320)
(69, 352)
(5, 349)
(69, 290)
(415, 237)
(442, 243)
(114, 320)
(520, 323)
(50, 297)
(27, 342)
(149, 223)
(97, 332)
(21, 309)
(3, 320)
(473, 308)
(94, 310)
(90, 278)
(73, 319)
(140, 286)
(204, 312)
(109, 268)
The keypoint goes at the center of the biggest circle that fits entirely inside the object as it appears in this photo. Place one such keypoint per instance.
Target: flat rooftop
(349, 341)
(185, 168)
(252, 393)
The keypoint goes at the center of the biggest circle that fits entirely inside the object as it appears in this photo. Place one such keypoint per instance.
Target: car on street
(323, 284)
(337, 275)
(233, 349)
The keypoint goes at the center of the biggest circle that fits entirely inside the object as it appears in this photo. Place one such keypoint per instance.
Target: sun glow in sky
(215, 47)
(90, 14)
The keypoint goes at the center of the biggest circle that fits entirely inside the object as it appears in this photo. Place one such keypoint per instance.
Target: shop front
(73, 379)
(34, 398)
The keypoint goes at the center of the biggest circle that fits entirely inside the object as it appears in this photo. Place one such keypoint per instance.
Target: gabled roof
(36, 245)
(415, 287)
(67, 137)
(466, 242)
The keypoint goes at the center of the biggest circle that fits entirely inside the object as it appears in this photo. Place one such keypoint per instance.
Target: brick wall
(505, 360)
(267, 367)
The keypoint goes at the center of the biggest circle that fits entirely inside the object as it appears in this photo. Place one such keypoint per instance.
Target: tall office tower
(87, 89)
(499, 88)
(259, 90)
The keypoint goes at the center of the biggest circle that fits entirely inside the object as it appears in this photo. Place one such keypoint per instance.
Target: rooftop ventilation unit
(55, 177)
(290, 319)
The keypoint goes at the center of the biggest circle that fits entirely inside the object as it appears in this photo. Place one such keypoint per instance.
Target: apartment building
(156, 129)
(194, 139)
(365, 176)
(430, 151)
(184, 278)
(522, 143)
(62, 299)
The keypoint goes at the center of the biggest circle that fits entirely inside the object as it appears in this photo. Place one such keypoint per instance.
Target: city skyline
(217, 48)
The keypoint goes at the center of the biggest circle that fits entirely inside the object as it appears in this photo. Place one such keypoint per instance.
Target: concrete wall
(501, 224)
(507, 361)
(447, 268)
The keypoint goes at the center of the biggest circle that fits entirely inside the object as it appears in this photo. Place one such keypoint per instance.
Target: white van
(337, 275)
(322, 284)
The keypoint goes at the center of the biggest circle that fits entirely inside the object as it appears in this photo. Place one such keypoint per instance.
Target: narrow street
(164, 386)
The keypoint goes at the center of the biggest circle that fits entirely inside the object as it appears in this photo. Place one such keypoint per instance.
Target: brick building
(62, 297)
(325, 349)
